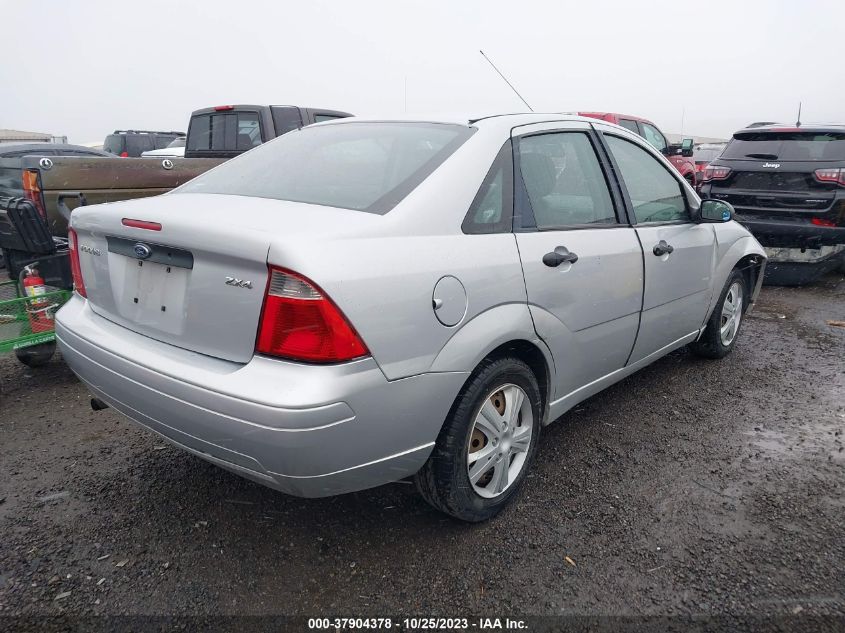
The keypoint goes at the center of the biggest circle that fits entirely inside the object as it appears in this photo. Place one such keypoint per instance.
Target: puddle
(824, 439)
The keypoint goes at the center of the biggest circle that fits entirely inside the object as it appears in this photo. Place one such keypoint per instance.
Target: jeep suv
(787, 185)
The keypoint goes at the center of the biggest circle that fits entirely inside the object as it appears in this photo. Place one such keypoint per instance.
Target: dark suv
(787, 185)
(133, 143)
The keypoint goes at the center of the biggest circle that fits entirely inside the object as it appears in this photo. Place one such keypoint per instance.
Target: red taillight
(715, 172)
(222, 108)
(32, 190)
(124, 154)
(831, 175)
(141, 224)
(75, 268)
(823, 222)
(301, 323)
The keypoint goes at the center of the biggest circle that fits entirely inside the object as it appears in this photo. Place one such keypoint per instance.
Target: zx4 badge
(238, 283)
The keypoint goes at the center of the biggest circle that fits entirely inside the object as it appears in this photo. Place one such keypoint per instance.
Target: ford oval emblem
(167, 163)
(142, 251)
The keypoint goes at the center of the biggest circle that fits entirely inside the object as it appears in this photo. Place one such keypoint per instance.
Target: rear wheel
(36, 355)
(722, 328)
(487, 443)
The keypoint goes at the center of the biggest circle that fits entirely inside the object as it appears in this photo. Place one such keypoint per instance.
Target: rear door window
(564, 182)
(285, 119)
(816, 146)
(656, 195)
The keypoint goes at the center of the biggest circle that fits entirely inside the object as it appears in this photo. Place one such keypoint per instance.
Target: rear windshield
(224, 132)
(786, 146)
(137, 143)
(706, 154)
(113, 144)
(361, 166)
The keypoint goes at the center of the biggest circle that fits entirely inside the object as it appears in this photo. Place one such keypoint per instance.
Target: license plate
(154, 294)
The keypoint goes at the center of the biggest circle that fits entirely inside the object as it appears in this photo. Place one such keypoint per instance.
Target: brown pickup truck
(58, 184)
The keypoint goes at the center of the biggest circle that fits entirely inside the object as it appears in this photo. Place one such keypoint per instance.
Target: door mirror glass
(715, 211)
(687, 147)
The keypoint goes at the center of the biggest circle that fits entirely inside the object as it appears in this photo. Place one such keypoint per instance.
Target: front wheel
(487, 443)
(722, 328)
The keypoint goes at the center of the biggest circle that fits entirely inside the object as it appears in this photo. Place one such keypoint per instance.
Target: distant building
(19, 136)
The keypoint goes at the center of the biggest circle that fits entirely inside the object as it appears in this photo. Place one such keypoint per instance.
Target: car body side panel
(586, 312)
(385, 287)
(678, 286)
(734, 243)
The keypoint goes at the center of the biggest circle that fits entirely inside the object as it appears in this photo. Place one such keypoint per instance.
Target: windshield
(361, 166)
(787, 146)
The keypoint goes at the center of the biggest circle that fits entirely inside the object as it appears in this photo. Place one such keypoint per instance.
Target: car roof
(804, 127)
(617, 115)
(505, 121)
(40, 148)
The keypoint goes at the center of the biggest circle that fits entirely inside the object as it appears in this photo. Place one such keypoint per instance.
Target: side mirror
(687, 147)
(712, 210)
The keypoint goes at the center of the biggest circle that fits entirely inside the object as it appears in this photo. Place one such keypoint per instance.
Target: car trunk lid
(198, 281)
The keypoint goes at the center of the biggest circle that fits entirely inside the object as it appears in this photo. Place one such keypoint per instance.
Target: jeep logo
(772, 165)
(238, 283)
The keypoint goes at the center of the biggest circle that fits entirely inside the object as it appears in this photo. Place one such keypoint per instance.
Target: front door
(679, 255)
(582, 262)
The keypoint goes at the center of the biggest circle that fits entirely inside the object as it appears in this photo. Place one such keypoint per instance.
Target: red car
(681, 157)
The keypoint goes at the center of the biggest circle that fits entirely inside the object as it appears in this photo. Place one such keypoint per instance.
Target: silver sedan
(362, 301)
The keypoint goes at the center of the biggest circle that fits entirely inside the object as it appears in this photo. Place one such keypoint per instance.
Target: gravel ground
(692, 487)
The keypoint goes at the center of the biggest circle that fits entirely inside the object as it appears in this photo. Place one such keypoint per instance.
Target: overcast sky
(84, 68)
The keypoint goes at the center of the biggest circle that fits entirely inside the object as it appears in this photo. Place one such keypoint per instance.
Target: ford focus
(362, 301)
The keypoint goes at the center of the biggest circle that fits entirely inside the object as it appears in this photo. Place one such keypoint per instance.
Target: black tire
(443, 481)
(710, 344)
(36, 355)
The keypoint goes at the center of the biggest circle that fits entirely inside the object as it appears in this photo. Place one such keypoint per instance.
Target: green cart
(27, 323)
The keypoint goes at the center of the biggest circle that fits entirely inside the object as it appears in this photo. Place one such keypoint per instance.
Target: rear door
(581, 260)
(679, 255)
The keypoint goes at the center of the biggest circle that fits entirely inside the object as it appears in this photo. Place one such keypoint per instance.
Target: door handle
(662, 248)
(558, 256)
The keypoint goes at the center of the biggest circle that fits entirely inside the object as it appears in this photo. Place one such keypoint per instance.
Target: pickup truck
(58, 184)
(680, 157)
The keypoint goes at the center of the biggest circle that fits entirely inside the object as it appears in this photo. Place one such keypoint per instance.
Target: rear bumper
(792, 234)
(303, 429)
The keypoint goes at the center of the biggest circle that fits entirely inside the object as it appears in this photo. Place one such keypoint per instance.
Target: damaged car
(787, 185)
(361, 301)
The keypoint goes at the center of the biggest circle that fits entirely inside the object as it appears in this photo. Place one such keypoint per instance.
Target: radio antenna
(798, 124)
(506, 80)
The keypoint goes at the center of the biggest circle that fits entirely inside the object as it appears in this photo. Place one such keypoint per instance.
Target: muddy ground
(692, 487)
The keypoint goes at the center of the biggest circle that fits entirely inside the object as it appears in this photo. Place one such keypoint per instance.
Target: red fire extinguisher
(39, 310)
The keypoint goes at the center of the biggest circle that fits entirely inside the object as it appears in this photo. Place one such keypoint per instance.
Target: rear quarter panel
(385, 288)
